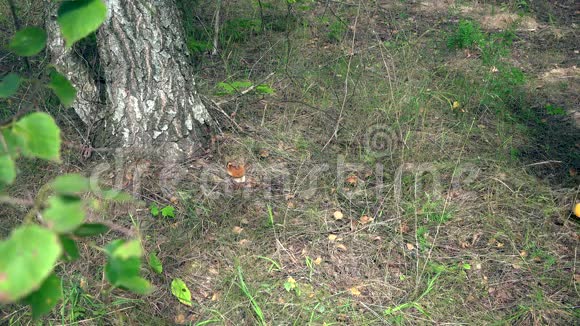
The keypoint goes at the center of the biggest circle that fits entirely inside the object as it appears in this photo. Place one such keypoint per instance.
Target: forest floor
(408, 162)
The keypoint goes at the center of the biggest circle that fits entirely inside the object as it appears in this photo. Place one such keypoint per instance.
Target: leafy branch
(29, 255)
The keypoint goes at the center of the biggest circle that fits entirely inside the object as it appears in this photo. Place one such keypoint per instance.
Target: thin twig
(544, 162)
(216, 28)
(16, 201)
(219, 109)
(351, 55)
(118, 228)
(503, 183)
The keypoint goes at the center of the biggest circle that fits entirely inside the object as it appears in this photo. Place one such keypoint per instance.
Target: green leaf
(46, 297)
(118, 269)
(155, 263)
(90, 229)
(7, 170)
(168, 211)
(27, 258)
(113, 245)
(232, 87)
(64, 213)
(9, 85)
(116, 195)
(13, 142)
(40, 136)
(180, 290)
(70, 184)
(78, 19)
(154, 210)
(264, 89)
(288, 286)
(62, 88)
(28, 41)
(123, 265)
(128, 250)
(135, 284)
(70, 248)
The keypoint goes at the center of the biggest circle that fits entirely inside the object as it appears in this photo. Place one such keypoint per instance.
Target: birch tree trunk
(151, 101)
(76, 68)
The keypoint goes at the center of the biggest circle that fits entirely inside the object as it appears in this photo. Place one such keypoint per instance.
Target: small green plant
(274, 265)
(492, 47)
(292, 286)
(523, 5)
(197, 47)
(167, 211)
(555, 110)
(435, 211)
(422, 233)
(336, 31)
(467, 35)
(155, 263)
(504, 84)
(240, 29)
(496, 46)
(230, 88)
(246, 291)
(415, 303)
(540, 255)
(264, 89)
(270, 215)
(310, 264)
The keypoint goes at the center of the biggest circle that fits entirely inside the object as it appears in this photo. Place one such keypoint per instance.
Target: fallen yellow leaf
(317, 261)
(410, 246)
(577, 210)
(332, 237)
(354, 291)
(237, 230)
(341, 247)
(365, 219)
(338, 215)
(180, 319)
(264, 153)
(455, 105)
